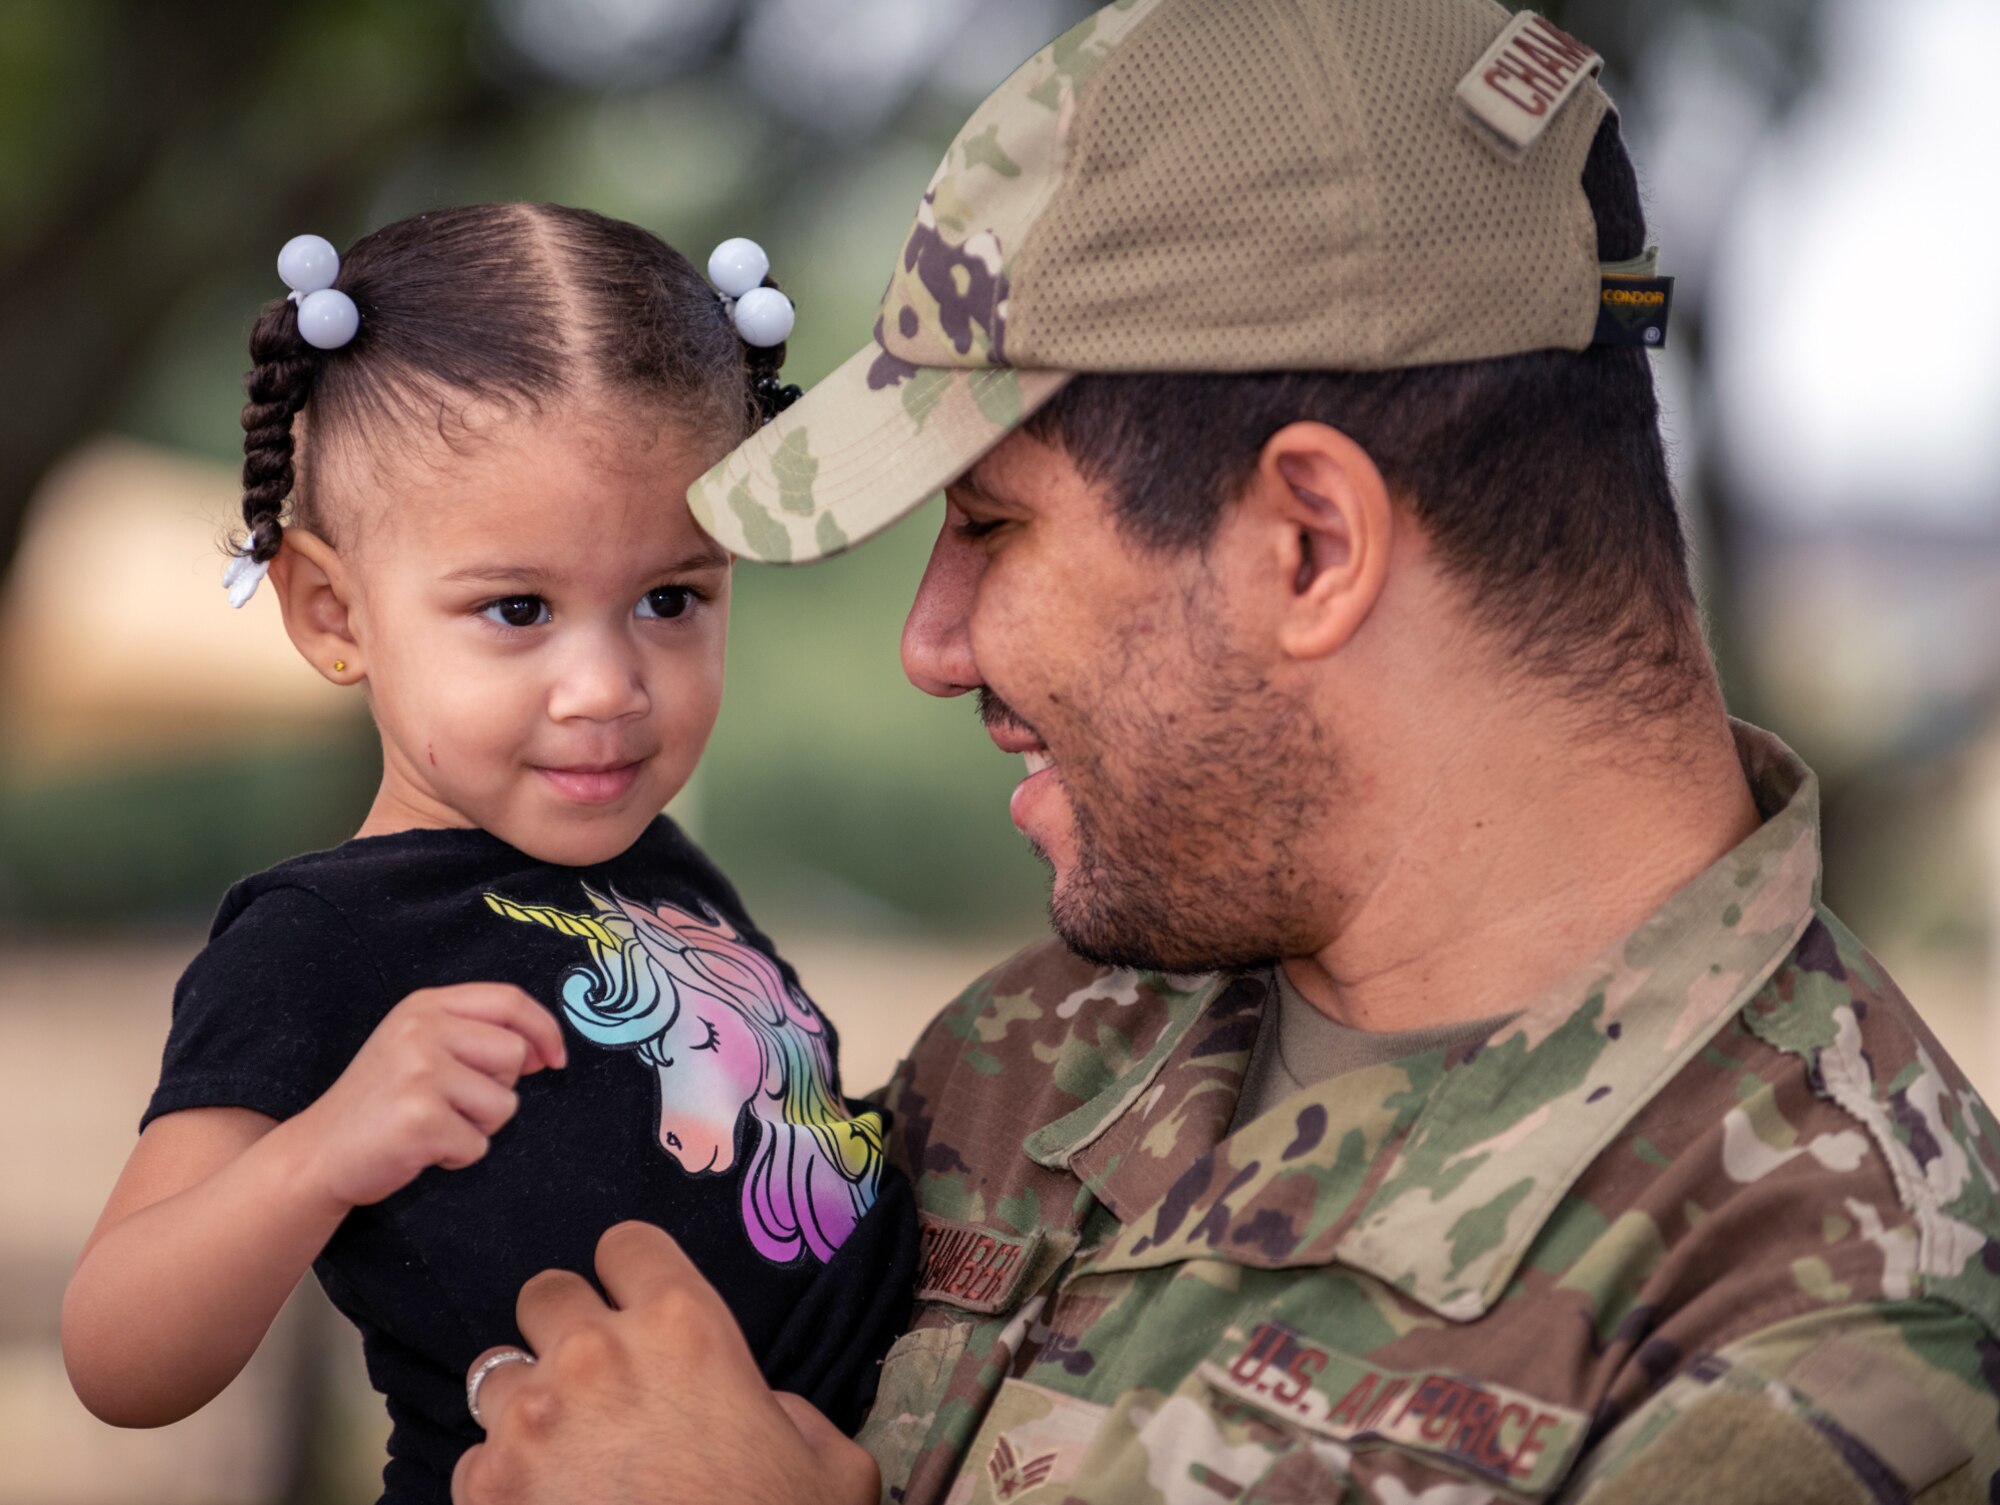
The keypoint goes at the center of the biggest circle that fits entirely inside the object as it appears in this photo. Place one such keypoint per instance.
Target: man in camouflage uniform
(1622, 1172)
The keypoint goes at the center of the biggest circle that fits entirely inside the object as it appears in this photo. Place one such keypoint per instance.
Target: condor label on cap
(1525, 78)
(1633, 311)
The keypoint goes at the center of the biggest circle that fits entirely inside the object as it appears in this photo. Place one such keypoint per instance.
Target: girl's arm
(220, 1211)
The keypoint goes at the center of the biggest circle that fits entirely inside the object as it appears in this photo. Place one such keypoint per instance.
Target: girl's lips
(592, 786)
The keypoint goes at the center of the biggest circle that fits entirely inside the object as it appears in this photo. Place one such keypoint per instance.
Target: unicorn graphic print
(725, 1035)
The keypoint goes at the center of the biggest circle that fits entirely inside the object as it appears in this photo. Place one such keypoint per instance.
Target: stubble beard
(1192, 822)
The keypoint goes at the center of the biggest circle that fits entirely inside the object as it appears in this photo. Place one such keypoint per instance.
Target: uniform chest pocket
(1188, 1446)
(915, 1374)
(1412, 1425)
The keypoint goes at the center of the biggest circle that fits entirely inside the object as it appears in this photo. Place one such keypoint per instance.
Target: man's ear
(1325, 509)
(314, 592)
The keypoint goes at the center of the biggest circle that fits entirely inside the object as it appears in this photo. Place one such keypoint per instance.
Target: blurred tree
(1764, 54)
(143, 143)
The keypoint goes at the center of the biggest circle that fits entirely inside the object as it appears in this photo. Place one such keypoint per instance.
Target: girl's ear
(1327, 513)
(314, 592)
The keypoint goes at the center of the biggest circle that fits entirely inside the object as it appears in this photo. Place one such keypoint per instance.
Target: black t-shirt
(701, 1094)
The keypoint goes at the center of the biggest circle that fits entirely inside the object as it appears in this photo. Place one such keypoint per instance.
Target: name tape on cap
(1524, 80)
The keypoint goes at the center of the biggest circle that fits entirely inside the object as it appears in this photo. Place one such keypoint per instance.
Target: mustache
(995, 713)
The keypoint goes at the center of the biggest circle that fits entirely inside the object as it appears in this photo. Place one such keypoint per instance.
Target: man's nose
(937, 643)
(600, 681)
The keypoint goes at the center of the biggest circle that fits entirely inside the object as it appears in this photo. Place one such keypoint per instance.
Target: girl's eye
(666, 601)
(710, 1042)
(517, 611)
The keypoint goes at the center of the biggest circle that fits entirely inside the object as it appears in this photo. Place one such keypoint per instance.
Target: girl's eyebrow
(711, 556)
(524, 574)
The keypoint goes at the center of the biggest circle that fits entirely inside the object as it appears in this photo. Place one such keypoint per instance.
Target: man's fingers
(552, 1304)
(846, 1472)
(467, 1477)
(500, 1003)
(495, 1386)
(638, 1263)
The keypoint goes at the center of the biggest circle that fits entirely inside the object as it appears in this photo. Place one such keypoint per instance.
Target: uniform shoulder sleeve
(271, 1011)
(1834, 1007)
(1891, 1401)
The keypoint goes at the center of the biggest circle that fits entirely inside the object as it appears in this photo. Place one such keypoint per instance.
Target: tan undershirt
(1298, 1047)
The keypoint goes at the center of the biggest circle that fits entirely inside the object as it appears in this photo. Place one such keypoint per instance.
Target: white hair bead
(328, 318)
(307, 264)
(738, 266)
(764, 317)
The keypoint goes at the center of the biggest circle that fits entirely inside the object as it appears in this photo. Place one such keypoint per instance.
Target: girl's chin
(583, 841)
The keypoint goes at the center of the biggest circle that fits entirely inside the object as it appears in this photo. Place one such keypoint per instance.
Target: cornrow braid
(768, 395)
(279, 385)
(515, 306)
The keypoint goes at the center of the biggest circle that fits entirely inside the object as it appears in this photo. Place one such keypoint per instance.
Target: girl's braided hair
(519, 304)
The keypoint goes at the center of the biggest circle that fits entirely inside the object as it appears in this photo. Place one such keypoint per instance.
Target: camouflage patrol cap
(1199, 185)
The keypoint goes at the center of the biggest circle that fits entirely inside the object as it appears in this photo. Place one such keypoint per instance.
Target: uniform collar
(1443, 1177)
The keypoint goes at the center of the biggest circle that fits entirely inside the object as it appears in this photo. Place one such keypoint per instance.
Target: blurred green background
(1817, 171)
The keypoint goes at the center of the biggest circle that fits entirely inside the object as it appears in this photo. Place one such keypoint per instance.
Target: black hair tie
(773, 396)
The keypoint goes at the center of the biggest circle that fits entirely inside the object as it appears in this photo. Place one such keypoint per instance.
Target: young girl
(520, 1005)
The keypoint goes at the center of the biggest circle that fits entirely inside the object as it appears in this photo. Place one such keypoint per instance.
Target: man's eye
(518, 611)
(667, 601)
(978, 527)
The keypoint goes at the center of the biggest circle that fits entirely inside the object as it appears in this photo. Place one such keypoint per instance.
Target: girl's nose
(600, 682)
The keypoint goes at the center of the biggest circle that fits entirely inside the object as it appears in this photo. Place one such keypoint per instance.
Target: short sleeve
(271, 1011)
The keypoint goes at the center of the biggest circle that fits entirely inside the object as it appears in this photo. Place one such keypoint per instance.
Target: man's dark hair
(1540, 479)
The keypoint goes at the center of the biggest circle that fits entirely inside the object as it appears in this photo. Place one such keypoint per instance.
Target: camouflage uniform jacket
(1715, 1219)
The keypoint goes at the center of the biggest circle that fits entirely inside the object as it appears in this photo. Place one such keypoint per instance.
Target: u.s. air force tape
(1633, 311)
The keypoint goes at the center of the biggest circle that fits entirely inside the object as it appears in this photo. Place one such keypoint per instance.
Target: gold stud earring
(340, 666)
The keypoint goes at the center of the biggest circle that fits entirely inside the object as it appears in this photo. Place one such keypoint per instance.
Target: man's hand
(650, 1400)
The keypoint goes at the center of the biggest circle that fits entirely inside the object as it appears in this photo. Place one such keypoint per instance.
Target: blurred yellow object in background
(116, 640)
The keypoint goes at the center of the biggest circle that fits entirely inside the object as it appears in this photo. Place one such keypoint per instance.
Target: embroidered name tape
(1487, 1430)
(967, 1266)
(1524, 80)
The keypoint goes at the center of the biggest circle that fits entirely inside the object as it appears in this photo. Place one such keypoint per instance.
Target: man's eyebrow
(968, 486)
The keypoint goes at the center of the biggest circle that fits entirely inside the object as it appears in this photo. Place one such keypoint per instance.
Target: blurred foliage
(157, 845)
(826, 765)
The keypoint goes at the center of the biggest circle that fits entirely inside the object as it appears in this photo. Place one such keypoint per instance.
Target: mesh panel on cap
(1288, 184)
(1184, 213)
(1479, 255)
